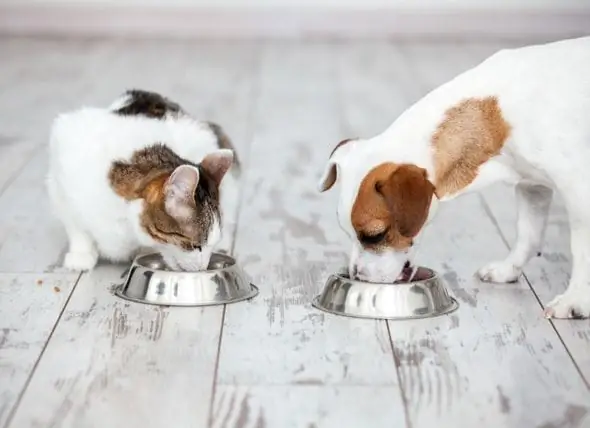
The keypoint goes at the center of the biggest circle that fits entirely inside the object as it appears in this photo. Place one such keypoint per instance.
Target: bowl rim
(181, 272)
(119, 292)
(454, 306)
(344, 276)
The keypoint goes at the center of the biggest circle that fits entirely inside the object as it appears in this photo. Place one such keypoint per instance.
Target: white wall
(336, 4)
(550, 19)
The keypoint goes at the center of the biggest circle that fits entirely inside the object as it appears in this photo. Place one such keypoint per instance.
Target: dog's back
(543, 92)
(545, 96)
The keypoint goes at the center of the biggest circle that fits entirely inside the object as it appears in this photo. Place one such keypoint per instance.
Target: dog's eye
(372, 239)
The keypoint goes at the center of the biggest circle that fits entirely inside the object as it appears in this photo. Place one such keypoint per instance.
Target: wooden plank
(289, 242)
(31, 239)
(113, 363)
(14, 154)
(495, 359)
(370, 100)
(30, 305)
(109, 362)
(304, 406)
(32, 75)
(37, 77)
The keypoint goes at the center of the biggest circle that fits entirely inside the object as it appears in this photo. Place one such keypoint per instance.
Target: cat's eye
(373, 239)
(194, 247)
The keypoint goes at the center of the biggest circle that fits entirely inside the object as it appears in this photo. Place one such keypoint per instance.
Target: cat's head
(182, 211)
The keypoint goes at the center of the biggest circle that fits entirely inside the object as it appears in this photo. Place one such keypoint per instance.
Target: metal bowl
(424, 297)
(150, 281)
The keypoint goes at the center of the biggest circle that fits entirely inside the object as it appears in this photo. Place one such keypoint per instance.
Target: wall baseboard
(292, 23)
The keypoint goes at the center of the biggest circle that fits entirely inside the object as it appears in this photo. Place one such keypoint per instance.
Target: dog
(522, 116)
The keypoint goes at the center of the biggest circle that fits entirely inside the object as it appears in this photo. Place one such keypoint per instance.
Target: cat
(141, 173)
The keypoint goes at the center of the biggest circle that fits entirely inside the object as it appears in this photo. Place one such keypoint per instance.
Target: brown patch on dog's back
(393, 200)
(471, 133)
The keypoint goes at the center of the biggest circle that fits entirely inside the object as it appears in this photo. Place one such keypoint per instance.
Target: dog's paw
(570, 304)
(80, 261)
(499, 272)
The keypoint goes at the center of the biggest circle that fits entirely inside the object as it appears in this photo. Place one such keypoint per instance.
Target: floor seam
(243, 173)
(40, 357)
(397, 365)
(19, 171)
(490, 214)
(210, 417)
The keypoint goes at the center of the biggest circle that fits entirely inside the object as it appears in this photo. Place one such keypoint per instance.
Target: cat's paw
(80, 261)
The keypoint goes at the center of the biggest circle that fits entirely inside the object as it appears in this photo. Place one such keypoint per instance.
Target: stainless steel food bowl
(424, 297)
(150, 281)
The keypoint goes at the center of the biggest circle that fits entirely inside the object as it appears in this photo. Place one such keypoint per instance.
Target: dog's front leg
(575, 302)
(533, 202)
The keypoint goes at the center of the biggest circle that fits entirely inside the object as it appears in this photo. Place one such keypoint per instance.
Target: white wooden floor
(73, 355)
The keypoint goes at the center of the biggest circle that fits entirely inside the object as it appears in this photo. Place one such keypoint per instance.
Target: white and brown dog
(522, 116)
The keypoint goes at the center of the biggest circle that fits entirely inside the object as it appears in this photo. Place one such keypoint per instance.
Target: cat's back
(100, 136)
(86, 144)
(95, 135)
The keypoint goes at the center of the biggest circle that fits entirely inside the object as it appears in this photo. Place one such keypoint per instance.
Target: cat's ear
(217, 163)
(179, 191)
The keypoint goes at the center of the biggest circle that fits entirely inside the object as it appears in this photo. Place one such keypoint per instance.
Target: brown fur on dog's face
(391, 206)
(181, 199)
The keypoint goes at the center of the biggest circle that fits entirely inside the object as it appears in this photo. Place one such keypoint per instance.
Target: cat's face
(182, 212)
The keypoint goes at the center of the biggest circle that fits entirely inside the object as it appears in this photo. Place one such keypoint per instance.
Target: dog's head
(383, 206)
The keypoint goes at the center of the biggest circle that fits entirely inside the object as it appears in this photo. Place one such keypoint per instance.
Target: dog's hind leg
(575, 301)
(533, 202)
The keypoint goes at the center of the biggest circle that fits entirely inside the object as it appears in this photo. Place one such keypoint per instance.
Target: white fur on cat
(98, 222)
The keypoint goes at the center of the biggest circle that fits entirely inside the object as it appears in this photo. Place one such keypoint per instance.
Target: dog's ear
(408, 194)
(331, 170)
(329, 176)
